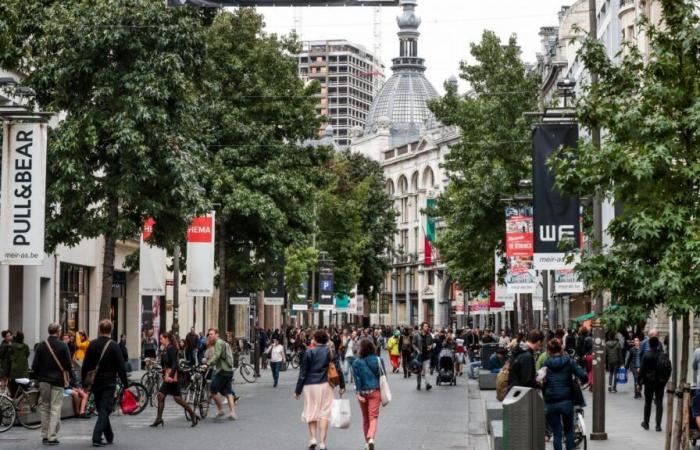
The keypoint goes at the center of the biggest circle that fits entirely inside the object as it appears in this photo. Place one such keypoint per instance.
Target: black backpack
(663, 367)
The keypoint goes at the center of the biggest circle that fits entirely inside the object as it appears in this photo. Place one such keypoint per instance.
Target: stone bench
(494, 411)
(496, 435)
(487, 380)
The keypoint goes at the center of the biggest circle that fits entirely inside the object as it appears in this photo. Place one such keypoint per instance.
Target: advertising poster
(480, 303)
(567, 282)
(520, 277)
(301, 302)
(200, 256)
(152, 264)
(502, 294)
(360, 305)
(23, 194)
(458, 305)
(556, 216)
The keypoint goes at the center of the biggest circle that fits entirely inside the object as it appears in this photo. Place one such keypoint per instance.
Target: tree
(649, 162)
(127, 149)
(257, 114)
(494, 154)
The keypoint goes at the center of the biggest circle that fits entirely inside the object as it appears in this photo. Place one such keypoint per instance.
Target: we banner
(557, 225)
(152, 264)
(200, 256)
(23, 194)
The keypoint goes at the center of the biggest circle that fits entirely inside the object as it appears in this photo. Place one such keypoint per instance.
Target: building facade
(349, 76)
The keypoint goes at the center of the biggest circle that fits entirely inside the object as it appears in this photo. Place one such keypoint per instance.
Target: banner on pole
(342, 303)
(325, 290)
(152, 263)
(567, 282)
(23, 194)
(301, 300)
(200, 256)
(458, 305)
(240, 296)
(520, 277)
(502, 294)
(480, 304)
(557, 225)
(360, 305)
(275, 291)
(352, 305)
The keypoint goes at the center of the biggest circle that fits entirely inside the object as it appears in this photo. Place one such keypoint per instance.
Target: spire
(408, 34)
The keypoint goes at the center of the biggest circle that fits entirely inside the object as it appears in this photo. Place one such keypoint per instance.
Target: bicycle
(198, 395)
(246, 370)
(23, 408)
(152, 379)
(138, 390)
(579, 429)
(296, 359)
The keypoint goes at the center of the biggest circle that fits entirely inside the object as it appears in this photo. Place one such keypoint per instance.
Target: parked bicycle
(22, 408)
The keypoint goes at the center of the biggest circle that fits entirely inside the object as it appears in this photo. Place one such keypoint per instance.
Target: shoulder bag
(333, 375)
(384, 389)
(66, 375)
(90, 375)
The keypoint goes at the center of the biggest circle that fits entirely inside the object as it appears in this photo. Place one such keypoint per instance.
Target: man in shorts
(223, 375)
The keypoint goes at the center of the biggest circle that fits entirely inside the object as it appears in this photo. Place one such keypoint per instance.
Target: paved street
(269, 419)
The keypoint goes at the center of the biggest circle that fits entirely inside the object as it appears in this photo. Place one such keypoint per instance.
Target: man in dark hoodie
(558, 393)
(522, 366)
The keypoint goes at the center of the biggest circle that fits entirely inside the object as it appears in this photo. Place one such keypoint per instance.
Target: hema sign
(218, 3)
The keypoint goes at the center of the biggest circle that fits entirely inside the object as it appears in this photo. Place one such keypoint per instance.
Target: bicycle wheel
(141, 395)
(248, 373)
(7, 413)
(295, 361)
(204, 402)
(27, 407)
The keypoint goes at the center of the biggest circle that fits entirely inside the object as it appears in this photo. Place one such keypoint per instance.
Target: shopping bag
(384, 389)
(340, 414)
(621, 375)
(129, 403)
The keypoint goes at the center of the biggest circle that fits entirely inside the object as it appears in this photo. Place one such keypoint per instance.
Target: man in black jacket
(51, 365)
(653, 386)
(104, 354)
(522, 366)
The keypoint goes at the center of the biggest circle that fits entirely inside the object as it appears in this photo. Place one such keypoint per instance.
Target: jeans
(349, 361)
(426, 369)
(406, 357)
(370, 413)
(654, 391)
(104, 404)
(275, 366)
(612, 377)
(50, 402)
(191, 355)
(637, 387)
(561, 415)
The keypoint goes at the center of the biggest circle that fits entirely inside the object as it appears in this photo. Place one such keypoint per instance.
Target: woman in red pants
(366, 370)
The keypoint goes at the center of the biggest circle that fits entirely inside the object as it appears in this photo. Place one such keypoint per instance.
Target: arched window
(390, 188)
(428, 178)
(403, 185)
(414, 182)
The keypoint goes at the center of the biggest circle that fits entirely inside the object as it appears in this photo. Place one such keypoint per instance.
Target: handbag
(129, 403)
(577, 393)
(384, 389)
(333, 375)
(66, 375)
(341, 415)
(621, 376)
(90, 375)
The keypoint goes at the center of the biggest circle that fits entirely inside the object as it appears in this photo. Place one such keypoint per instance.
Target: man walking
(104, 357)
(51, 365)
(222, 362)
(422, 345)
(653, 375)
(522, 366)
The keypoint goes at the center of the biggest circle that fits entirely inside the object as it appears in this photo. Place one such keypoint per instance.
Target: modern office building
(349, 76)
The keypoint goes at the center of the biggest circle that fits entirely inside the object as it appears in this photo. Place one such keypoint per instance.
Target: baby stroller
(446, 368)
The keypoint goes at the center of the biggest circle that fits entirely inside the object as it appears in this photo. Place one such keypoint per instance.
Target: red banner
(200, 230)
(148, 228)
(519, 237)
(427, 252)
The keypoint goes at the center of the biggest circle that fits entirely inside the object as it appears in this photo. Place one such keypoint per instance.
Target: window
(404, 240)
(75, 288)
(431, 277)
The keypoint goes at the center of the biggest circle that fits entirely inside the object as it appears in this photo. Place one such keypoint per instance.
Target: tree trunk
(108, 258)
(682, 382)
(223, 279)
(670, 389)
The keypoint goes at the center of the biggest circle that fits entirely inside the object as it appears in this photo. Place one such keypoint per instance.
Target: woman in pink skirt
(318, 393)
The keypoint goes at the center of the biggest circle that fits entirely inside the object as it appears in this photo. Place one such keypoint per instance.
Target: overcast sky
(447, 29)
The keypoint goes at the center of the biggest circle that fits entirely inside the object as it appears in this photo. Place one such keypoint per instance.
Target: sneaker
(219, 415)
(658, 428)
(370, 444)
(45, 441)
(418, 387)
(98, 444)
(54, 442)
(312, 444)
(609, 389)
(645, 425)
(614, 391)
(232, 417)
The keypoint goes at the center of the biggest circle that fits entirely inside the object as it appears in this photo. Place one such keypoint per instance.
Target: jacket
(5, 359)
(393, 346)
(647, 372)
(417, 343)
(495, 363)
(111, 365)
(44, 366)
(558, 384)
(366, 373)
(19, 360)
(613, 354)
(522, 369)
(634, 360)
(80, 347)
(313, 368)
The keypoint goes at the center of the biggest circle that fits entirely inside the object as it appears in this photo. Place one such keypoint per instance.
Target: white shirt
(277, 353)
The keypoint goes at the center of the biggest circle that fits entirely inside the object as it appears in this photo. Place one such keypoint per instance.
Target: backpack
(663, 368)
(502, 382)
(228, 353)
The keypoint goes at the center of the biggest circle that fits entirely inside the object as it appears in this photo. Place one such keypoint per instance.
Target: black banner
(325, 290)
(556, 223)
(274, 287)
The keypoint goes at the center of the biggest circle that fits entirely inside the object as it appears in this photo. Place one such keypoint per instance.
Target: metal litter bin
(523, 420)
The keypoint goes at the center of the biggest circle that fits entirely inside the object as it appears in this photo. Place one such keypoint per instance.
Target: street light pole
(176, 290)
(598, 433)
(394, 288)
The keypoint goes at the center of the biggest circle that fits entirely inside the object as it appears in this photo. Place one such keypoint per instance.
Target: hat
(397, 333)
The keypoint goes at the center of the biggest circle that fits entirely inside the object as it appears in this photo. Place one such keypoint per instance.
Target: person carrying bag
(370, 376)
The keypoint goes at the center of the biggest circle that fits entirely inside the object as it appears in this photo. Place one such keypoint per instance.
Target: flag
(429, 235)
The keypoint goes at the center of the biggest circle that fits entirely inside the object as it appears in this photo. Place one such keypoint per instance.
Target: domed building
(403, 135)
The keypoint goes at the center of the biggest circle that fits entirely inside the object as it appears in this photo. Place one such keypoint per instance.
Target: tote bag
(383, 384)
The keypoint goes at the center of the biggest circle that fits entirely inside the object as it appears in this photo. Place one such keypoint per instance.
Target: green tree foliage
(649, 162)
(299, 261)
(123, 73)
(356, 223)
(494, 154)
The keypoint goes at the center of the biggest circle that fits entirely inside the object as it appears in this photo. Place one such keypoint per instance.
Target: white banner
(352, 306)
(23, 194)
(360, 305)
(502, 294)
(567, 282)
(152, 264)
(200, 256)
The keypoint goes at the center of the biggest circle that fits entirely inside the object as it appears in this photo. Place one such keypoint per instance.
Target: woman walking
(367, 370)
(406, 352)
(277, 358)
(170, 384)
(558, 393)
(613, 360)
(318, 392)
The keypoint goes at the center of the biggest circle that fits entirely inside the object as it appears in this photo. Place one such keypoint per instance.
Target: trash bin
(523, 420)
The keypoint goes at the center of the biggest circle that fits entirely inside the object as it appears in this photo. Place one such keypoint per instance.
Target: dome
(403, 100)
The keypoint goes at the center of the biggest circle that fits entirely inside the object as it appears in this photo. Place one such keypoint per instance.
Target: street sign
(219, 3)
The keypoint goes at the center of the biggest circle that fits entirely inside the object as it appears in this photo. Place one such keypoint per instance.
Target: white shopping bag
(340, 414)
